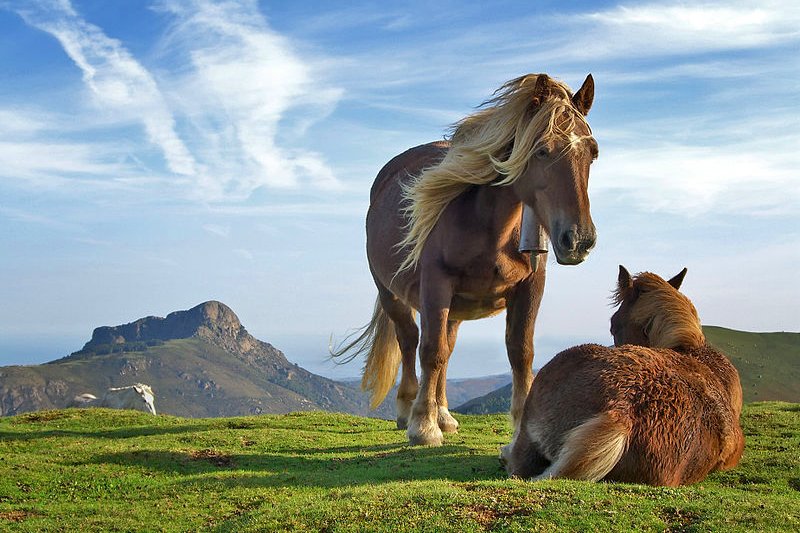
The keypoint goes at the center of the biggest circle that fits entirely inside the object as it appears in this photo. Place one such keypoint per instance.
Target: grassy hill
(102, 470)
(496, 401)
(768, 363)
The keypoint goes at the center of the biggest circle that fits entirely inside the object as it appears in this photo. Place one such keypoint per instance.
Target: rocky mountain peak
(210, 320)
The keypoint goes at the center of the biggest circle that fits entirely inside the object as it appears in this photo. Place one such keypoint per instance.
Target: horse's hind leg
(446, 422)
(408, 338)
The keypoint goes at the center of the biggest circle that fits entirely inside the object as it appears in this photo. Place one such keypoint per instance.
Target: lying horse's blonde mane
(516, 118)
(670, 318)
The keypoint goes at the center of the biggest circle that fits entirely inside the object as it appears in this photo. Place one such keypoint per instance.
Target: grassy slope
(768, 363)
(120, 470)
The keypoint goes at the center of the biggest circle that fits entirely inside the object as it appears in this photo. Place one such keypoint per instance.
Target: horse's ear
(541, 90)
(624, 281)
(582, 100)
(676, 280)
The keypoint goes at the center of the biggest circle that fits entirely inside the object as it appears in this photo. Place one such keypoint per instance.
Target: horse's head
(532, 136)
(556, 177)
(653, 313)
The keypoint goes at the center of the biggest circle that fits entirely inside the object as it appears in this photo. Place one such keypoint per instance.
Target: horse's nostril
(568, 240)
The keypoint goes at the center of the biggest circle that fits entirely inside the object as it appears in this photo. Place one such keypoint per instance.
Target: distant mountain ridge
(768, 366)
(200, 362)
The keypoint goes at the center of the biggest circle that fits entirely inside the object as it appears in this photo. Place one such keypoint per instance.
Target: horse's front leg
(522, 308)
(446, 422)
(434, 349)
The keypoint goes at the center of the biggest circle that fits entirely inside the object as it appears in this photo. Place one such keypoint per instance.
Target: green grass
(123, 471)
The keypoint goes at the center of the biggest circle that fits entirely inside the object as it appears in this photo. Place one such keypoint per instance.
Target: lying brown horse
(447, 236)
(661, 408)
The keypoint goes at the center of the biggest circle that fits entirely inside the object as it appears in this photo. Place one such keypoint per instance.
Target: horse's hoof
(505, 452)
(420, 438)
(446, 422)
(402, 423)
(448, 427)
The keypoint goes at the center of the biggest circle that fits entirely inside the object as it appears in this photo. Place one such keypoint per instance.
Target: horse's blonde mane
(670, 318)
(498, 139)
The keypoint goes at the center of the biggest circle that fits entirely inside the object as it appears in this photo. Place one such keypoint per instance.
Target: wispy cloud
(753, 178)
(18, 124)
(658, 28)
(117, 81)
(227, 109)
(53, 165)
(245, 82)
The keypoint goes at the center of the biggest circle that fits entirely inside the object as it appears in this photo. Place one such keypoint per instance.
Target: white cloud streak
(249, 78)
(50, 165)
(117, 81)
(228, 108)
(658, 30)
(662, 29)
(692, 180)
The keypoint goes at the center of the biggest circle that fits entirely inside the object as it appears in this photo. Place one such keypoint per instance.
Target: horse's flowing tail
(591, 450)
(378, 340)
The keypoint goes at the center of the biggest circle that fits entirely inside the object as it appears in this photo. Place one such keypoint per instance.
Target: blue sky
(154, 155)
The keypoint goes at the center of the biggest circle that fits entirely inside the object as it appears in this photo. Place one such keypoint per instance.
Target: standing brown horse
(661, 408)
(444, 233)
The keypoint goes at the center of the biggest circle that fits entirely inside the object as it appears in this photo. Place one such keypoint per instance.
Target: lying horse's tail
(379, 341)
(591, 450)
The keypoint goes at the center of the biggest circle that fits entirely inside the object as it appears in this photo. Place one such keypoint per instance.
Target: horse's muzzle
(573, 246)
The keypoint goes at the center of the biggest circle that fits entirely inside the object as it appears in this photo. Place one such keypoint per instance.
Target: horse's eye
(542, 153)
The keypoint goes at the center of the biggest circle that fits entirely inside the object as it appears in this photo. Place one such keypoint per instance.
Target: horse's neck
(498, 208)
